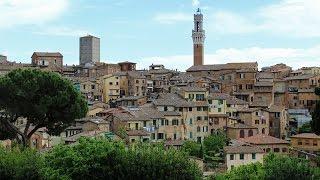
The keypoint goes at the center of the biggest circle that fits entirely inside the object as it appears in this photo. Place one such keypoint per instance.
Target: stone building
(268, 143)
(111, 87)
(89, 49)
(47, 59)
(308, 142)
(242, 155)
(240, 130)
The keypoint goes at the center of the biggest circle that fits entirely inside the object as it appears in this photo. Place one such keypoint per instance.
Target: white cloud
(298, 18)
(62, 31)
(264, 56)
(22, 12)
(170, 18)
(195, 3)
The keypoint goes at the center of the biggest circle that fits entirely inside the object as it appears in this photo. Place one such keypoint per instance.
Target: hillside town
(260, 109)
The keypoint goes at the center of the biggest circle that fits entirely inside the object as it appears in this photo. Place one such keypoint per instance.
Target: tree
(305, 128)
(284, 167)
(101, 159)
(43, 99)
(214, 143)
(254, 171)
(193, 148)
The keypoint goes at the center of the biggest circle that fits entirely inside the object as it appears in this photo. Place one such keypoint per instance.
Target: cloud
(195, 3)
(264, 56)
(297, 18)
(34, 12)
(170, 18)
(62, 31)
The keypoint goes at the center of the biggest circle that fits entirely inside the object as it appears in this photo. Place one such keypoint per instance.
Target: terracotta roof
(275, 108)
(48, 54)
(170, 113)
(263, 83)
(306, 135)
(300, 77)
(261, 139)
(217, 67)
(137, 133)
(171, 99)
(242, 149)
(193, 89)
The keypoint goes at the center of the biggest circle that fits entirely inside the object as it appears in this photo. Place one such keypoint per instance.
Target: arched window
(263, 131)
(250, 133)
(241, 133)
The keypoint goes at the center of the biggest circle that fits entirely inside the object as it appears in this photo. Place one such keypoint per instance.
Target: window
(198, 129)
(240, 86)
(117, 83)
(175, 122)
(199, 97)
(110, 83)
(205, 108)
(284, 149)
(216, 121)
(191, 96)
(249, 86)
(219, 109)
(165, 108)
(210, 101)
(84, 86)
(137, 126)
(190, 108)
(231, 157)
(198, 108)
(180, 109)
(190, 121)
(160, 136)
(256, 121)
(220, 101)
(166, 122)
(315, 143)
(263, 131)
(242, 76)
(307, 142)
(174, 136)
(300, 143)
(190, 135)
(241, 156)
(144, 123)
(257, 113)
(277, 114)
(268, 150)
(206, 118)
(276, 150)
(162, 122)
(241, 133)
(198, 118)
(137, 81)
(198, 139)
(250, 133)
(253, 155)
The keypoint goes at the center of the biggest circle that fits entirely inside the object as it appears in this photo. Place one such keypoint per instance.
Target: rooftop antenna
(199, 11)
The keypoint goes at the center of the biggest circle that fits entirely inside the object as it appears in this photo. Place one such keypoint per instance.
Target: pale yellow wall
(247, 159)
(111, 91)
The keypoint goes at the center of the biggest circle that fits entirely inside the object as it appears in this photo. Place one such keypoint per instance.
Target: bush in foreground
(100, 159)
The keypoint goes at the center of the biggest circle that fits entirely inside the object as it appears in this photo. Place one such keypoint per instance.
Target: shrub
(101, 159)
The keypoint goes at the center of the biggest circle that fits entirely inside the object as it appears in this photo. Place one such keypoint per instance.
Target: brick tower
(198, 36)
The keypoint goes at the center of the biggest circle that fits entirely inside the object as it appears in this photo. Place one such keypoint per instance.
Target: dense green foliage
(305, 128)
(274, 166)
(214, 143)
(45, 99)
(193, 148)
(20, 164)
(98, 159)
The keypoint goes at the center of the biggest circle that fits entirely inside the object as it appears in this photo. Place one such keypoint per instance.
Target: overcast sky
(159, 31)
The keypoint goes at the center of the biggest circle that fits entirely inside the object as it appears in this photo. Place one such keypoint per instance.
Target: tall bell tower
(198, 36)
